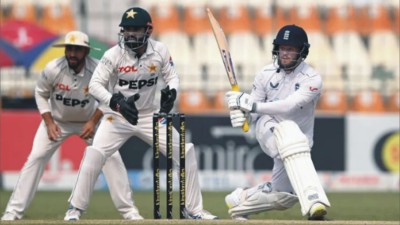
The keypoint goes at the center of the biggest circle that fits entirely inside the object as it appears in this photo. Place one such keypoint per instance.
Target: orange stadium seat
(396, 23)
(368, 101)
(235, 18)
(393, 104)
(333, 101)
(340, 19)
(380, 19)
(219, 102)
(363, 21)
(193, 102)
(263, 24)
(195, 20)
(280, 19)
(165, 19)
(23, 11)
(58, 18)
(306, 17)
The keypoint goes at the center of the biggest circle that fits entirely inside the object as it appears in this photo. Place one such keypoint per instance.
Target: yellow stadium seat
(58, 18)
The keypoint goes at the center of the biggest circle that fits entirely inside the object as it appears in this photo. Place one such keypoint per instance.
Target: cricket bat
(226, 56)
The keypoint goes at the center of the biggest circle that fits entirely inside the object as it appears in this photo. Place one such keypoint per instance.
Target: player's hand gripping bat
(226, 56)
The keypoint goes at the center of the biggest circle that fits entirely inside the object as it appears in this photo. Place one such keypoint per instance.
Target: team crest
(86, 90)
(152, 69)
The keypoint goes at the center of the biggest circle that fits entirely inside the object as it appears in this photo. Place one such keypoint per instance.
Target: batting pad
(294, 150)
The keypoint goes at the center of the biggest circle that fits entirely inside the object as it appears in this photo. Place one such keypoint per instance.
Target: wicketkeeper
(126, 81)
(281, 107)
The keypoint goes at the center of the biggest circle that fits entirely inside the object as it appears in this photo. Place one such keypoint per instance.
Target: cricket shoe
(10, 216)
(235, 198)
(317, 212)
(133, 216)
(240, 218)
(203, 215)
(73, 214)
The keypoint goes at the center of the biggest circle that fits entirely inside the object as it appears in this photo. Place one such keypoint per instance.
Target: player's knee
(290, 139)
(93, 157)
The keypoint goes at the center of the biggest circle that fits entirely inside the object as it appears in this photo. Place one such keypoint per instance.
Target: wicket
(156, 167)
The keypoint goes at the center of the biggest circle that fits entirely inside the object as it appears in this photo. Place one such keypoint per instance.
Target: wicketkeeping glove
(126, 108)
(168, 97)
(240, 100)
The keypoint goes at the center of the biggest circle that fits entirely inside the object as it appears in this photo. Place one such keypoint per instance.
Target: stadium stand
(333, 101)
(23, 10)
(193, 102)
(58, 18)
(219, 104)
(354, 44)
(368, 101)
(393, 104)
(195, 20)
(165, 19)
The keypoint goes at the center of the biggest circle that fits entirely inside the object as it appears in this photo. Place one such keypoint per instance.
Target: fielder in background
(126, 81)
(67, 108)
(281, 107)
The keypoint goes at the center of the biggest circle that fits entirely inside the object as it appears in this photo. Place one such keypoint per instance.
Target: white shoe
(10, 216)
(234, 198)
(317, 212)
(72, 214)
(133, 216)
(203, 215)
(240, 218)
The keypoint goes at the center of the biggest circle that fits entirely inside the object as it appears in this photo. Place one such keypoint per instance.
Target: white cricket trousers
(112, 133)
(264, 133)
(42, 151)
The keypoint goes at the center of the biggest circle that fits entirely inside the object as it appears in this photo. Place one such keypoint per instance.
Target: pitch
(348, 208)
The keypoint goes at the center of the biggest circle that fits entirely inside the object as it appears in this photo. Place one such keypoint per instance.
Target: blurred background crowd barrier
(354, 45)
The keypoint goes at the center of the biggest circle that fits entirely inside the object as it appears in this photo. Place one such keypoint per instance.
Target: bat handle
(245, 126)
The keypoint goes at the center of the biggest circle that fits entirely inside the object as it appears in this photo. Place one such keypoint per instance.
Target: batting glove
(238, 117)
(240, 100)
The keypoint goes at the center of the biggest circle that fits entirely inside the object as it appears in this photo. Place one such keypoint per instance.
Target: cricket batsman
(281, 107)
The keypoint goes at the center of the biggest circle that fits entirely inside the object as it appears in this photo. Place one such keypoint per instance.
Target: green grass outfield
(347, 208)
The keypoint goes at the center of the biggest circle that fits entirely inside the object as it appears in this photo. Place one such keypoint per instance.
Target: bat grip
(245, 126)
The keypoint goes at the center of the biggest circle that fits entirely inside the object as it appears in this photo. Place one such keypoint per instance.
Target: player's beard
(75, 63)
(290, 64)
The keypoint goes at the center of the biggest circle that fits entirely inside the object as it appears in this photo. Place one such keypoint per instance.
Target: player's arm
(169, 93)
(100, 79)
(42, 94)
(90, 126)
(307, 92)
